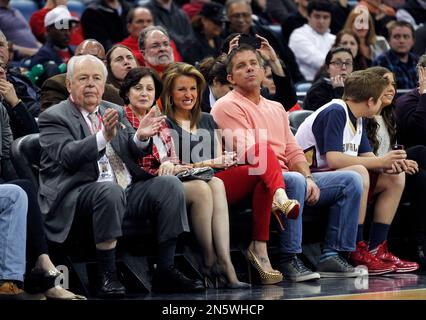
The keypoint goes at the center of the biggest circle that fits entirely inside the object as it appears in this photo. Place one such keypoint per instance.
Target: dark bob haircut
(134, 76)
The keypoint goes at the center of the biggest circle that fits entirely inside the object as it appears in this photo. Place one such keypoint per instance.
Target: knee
(111, 192)
(197, 191)
(363, 173)
(16, 194)
(171, 186)
(355, 182)
(398, 181)
(216, 184)
(297, 179)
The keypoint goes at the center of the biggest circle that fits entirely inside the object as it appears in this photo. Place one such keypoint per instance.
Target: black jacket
(321, 93)
(410, 117)
(104, 24)
(175, 21)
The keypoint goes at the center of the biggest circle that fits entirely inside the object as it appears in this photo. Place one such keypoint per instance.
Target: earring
(171, 100)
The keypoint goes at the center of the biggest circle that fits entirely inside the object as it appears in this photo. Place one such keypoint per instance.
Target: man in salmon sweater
(252, 119)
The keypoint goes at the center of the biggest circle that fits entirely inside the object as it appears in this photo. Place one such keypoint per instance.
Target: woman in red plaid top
(140, 89)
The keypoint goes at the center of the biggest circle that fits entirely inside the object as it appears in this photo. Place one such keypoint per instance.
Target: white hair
(77, 59)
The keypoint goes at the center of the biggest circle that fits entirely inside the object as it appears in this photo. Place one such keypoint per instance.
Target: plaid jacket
(152, 162)
(405, 73)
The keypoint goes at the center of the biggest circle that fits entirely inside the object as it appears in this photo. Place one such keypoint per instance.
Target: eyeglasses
(158, 45)
(340, 64)
(244, 15)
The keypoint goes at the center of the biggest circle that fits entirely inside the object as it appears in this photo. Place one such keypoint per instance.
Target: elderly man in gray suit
(89, 168)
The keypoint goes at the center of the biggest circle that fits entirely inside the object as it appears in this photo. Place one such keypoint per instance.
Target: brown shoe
(10, 291)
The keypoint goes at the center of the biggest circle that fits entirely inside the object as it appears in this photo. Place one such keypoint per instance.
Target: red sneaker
(375, 266)
(382, 252)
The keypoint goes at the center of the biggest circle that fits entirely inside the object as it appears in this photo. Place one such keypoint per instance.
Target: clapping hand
(110, 121)
(150, 125)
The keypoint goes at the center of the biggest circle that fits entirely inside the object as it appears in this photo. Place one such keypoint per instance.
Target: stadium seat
(297, 117)
(26, 7)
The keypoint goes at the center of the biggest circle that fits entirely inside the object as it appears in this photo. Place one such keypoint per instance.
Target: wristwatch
(310, 177)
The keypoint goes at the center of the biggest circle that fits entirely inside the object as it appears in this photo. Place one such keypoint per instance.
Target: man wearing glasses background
(154, 44)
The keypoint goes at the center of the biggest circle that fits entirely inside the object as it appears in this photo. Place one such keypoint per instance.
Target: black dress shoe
(173, 280)
(108, 285)
(420, 255)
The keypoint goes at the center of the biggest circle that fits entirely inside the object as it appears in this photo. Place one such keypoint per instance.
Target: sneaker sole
(379, 272)
(401, 270)
(308, 277)
(339, 274)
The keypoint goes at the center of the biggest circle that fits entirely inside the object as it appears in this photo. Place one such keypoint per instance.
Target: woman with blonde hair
(361, 24)
(141, 88)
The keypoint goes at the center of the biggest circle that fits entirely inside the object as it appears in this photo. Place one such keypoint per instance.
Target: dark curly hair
(134, 76)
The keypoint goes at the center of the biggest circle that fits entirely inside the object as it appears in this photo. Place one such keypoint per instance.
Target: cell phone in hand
(250, 40)
(397, 147)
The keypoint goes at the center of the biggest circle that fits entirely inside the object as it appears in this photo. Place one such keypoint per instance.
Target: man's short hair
(76, 59)
(394, 24)
(238, 49)
(145, 32)
(363, 85)
(228, 3)
(319, 5)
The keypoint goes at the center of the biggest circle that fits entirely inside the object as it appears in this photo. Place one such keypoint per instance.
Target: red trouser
(239, 184)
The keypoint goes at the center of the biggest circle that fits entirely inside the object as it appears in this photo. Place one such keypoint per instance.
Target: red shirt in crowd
(39, 31)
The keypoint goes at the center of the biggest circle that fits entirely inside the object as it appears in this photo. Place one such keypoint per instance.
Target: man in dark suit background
(88, 169)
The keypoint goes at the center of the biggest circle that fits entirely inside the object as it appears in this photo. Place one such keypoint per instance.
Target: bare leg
(46, 265)
(390, 188)
(200, 201)
(220, 229)
(259, 248)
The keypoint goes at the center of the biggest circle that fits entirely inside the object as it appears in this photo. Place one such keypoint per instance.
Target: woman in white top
(382, 133)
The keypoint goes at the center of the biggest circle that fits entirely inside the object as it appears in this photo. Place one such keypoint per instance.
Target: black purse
(203, 173)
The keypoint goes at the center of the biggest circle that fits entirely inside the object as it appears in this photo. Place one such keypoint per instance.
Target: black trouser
(160, 199)
(414, 192)
(36, 237)
(104, 203)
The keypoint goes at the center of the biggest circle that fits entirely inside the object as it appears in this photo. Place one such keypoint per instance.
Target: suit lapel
(80, 125)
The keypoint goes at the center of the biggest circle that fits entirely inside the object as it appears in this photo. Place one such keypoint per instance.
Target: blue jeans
(341, 191)
(13, 232)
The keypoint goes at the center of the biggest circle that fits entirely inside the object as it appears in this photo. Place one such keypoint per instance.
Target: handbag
(203, 173)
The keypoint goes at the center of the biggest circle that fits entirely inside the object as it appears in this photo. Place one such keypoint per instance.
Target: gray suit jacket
(69, 161)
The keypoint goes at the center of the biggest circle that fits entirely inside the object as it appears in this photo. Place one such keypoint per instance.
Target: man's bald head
(92, 47)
